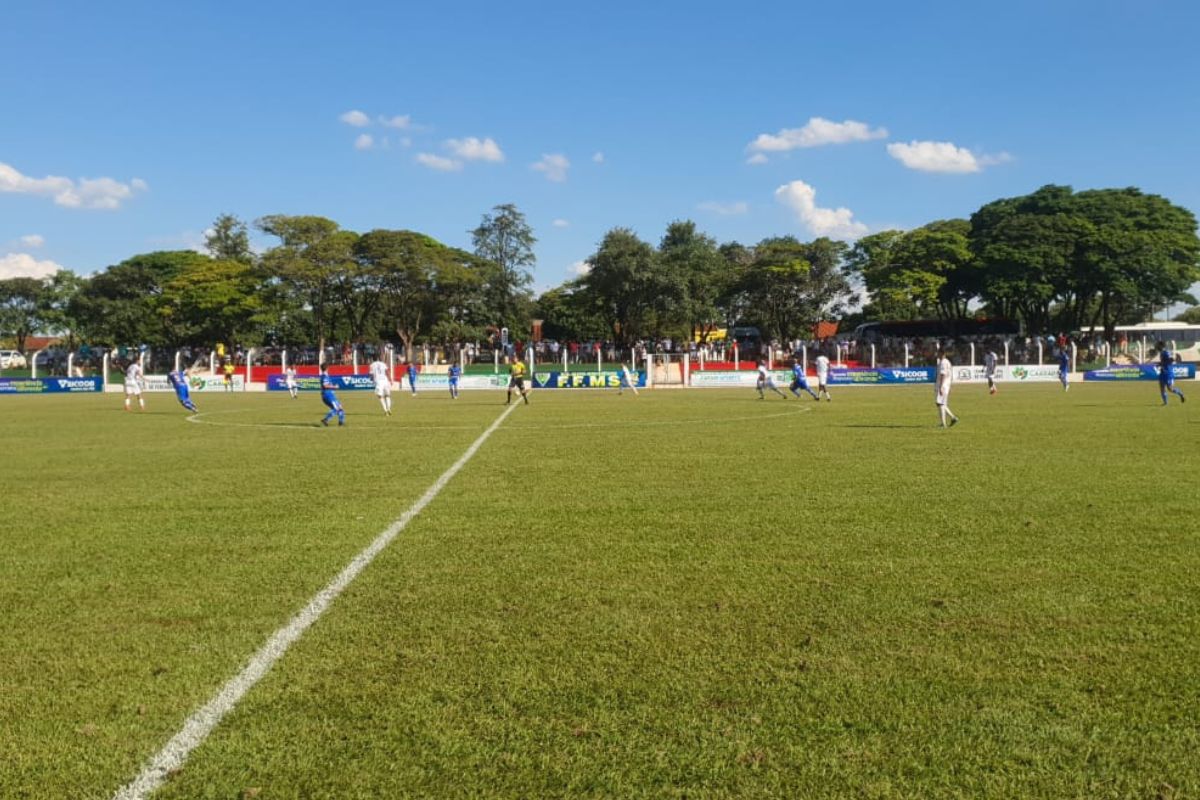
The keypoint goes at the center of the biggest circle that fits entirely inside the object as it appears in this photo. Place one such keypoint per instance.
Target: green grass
(683, 594)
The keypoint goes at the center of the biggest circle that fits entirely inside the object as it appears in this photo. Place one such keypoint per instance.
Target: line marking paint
(201, 723)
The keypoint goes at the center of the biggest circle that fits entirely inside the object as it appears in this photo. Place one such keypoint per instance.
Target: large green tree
(930, 271)
(504, 242)
(1093, 258)
(127, 303)
(216, 301)
(228, 239)
(569, 312)
(695, 275)
(790, 286)
(55, 304)
(423, 285)
(624, 282)
(312, 261)
(21, 308)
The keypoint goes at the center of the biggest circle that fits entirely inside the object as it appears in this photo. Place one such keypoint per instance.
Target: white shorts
(941, 398)
(821, 379)
(133, 389)
(291, 385)
(383, 390)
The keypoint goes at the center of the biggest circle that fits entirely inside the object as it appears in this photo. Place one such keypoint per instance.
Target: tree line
(1053, 260)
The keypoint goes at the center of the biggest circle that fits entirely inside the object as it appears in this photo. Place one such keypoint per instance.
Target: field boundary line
(201, 723)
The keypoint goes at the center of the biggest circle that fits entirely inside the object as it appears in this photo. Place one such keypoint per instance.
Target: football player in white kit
(942, 391)
(823, 377)
(134, 383)
(289, 380)
(383, 385)
(766, 381)
(626, 380)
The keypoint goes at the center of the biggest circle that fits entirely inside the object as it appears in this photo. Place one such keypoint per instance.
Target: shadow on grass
(883, 426)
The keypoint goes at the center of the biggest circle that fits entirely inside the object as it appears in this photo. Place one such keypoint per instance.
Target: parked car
(11, 359)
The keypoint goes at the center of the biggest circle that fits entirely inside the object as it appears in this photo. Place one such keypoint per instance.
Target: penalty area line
(201, 723)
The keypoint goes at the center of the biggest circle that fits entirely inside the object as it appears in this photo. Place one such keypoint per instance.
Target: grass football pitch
(683, 594)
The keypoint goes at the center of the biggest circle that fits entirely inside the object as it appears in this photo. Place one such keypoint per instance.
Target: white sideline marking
(201, 723)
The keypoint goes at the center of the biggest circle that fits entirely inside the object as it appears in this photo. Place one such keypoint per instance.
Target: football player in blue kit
(330, 399)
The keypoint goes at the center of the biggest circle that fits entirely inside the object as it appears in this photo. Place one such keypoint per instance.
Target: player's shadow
(880, 425)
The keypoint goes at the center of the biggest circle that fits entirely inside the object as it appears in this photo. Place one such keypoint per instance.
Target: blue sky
(129, 126)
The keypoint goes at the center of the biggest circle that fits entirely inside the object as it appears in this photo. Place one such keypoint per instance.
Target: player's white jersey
(945, 376)
(379, 374)
(822, 368)
(765, 377)
(989, 364)
(133, 379)
(289, 377)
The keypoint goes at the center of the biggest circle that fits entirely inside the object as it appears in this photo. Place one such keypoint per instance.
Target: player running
(1064, 368)
(412, 378)
(383, 385)
(330, 399)
(989, 370)
(454, 374)
(289, 380)
(823, 377)
(178, 379)
(942, 391)
(229, 369)
(516, 378)
(800, 381)
(766, 381)
(1166, 374)
(626, 380)
(135, 382)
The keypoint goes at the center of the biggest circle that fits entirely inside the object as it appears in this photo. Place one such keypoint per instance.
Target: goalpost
(668, 369)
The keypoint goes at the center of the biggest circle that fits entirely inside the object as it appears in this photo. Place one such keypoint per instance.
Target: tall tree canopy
(504, 242)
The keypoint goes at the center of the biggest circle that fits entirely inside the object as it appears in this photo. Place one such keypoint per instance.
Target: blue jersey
(179, 381)
(455, 372)
(327, 391)
(798, 376)
(1166, 366)
(1064, 362)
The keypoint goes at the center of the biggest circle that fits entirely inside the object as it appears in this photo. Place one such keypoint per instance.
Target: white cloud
(356, 119)
(439, 163)
(405, 141)
(33, 240)
(836, 223)
(580, 268)
(554, 166)
(473, 149)
(23, 265)
(942, 157)
(598, 157)
(725, 209)
(561, 223)
(103, 193)
(816, 133)
(365, 141)
(756, 159)
(401, 121)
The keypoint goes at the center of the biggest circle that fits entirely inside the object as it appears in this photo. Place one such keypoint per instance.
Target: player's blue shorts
(329, 399)
(1166, 376)
(799, 384)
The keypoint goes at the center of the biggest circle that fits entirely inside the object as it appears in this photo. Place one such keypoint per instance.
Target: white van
(11, 359)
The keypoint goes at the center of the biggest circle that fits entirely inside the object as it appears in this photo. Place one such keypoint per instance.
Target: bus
(1183, 334)
(935, 329)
